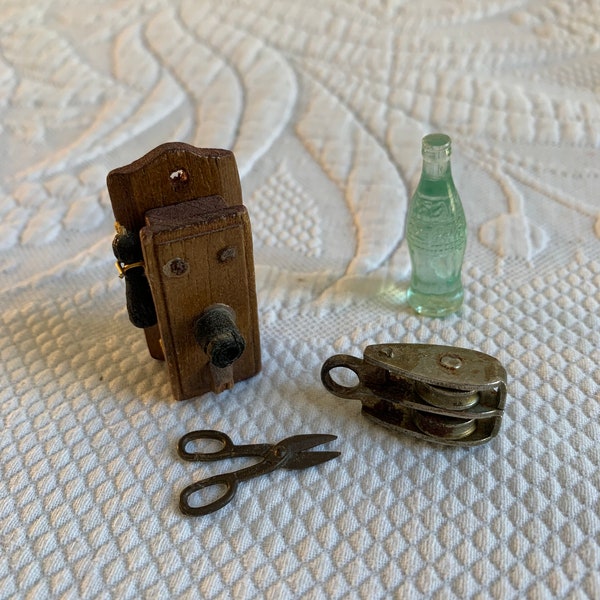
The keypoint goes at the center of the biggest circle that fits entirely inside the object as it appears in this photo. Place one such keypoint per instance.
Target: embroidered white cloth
(324, 105)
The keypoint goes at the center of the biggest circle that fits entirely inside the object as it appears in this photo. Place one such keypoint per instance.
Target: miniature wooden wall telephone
(184, 248)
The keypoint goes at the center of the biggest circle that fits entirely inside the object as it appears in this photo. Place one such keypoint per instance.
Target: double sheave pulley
(442, 394)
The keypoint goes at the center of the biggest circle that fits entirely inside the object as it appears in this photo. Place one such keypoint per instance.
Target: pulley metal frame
(453, 396)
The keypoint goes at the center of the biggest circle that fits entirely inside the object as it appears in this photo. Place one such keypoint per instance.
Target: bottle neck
(436, 169)
(436, 149)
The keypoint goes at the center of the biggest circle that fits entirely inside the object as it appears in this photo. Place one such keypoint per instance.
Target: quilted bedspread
(324, 104)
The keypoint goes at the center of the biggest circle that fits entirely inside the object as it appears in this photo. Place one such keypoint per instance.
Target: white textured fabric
(324, 104)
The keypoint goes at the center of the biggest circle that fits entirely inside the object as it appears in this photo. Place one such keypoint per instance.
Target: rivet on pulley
(451, 361)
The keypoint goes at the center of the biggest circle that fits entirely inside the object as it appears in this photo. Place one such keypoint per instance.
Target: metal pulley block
(442, 394)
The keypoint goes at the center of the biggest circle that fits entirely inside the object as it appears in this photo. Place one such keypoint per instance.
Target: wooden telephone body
(185, 204)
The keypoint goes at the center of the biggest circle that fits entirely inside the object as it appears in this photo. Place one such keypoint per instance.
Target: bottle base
(435, 305)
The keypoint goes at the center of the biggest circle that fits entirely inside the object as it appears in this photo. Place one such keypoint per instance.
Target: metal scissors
(290, 453)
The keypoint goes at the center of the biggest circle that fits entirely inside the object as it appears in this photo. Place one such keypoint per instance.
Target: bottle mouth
(436, 146)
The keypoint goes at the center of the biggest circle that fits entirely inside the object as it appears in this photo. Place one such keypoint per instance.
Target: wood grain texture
(152, 181)
(198, 254)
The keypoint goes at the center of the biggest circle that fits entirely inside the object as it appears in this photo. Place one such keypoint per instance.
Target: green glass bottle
(436, 232)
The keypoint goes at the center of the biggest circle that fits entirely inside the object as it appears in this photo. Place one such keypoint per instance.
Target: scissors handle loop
(226, 479)
(225, 451)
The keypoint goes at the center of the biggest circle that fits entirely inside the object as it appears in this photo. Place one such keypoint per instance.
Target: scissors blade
(298, 443)
(296, 446)
(303, 460)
